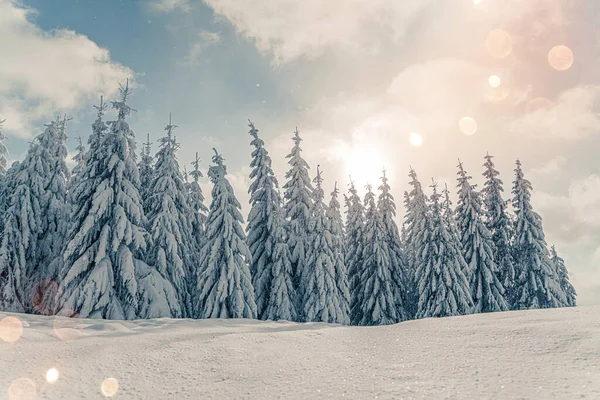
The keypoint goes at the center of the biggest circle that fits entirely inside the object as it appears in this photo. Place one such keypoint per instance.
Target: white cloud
(48, 72)
(169, 5)
(204, 40)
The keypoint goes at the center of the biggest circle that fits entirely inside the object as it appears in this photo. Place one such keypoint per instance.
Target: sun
(364, 165)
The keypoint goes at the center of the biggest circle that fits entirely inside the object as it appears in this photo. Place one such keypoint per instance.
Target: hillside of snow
(529, 354)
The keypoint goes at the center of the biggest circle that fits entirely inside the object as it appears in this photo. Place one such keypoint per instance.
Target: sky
(365, 82)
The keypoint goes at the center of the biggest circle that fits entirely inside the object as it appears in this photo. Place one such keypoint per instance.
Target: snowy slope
(532, 354)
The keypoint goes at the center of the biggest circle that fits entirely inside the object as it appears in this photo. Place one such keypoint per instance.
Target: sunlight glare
(109, 387)
(52, 375)
(415, 139)
(11, 329)
(498, 43)
(494, 81)
(560, 58)
(364, 165)
(476, 2)
(467, 125)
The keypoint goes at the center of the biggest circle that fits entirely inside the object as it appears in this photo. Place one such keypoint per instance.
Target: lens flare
(415, 139)
(476, 2)
(109, 387)
(52, 375)
(560, 58)
(467, 125)
(22, 389)
(11, 329)
(494, 81)
(498, 43)
(41, 297)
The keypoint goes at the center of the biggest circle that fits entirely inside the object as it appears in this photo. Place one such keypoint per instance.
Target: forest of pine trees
(118, 238)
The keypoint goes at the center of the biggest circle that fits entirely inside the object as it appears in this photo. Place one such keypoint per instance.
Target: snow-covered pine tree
(104, 277)
(168, 214)
(198, 221)
(443, 288)
(265, 238)
(415, 221)
(537, 284)
(146, 168)
(476, 240)
(563, 278)
(33, 220)
(354, 243)
(321, 296)
(376, 296)
(224, 281)
(336, 225)
(387, 210)
(499, 223)
(298, 203)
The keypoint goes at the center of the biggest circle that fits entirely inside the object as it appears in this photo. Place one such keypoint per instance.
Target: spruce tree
(34, 222)
(198, 221)
(387, 209)
(224, 281)
(415, 222)
(270, 264)
(443, 288)
(334, 218)
(104, 276)
(563, 278)
(476, 240)
(354, 241)
(321, 296)
(537, 284)
(298, 203)
(376, 297)
(168, 216)
(499, 223)
(146, 168)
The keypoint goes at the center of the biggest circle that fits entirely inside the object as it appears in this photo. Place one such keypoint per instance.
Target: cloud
(289, 29)
(196, 49)
(46, 72)
(164, 6)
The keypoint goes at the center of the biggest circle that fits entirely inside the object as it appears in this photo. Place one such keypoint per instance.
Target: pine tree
(499, 223)
(376, 296)
(105, 277)
(146, 168)
(443, 288)
(168, 220)
(265, 238)
(537, 285)
(387, 209)
(33, 221)
(563, 278)
(321, 296)
(334, 218)
(415, 222)
(198, 222)
(476, 240)
(224, 281)
(354, 243)
(298, 203)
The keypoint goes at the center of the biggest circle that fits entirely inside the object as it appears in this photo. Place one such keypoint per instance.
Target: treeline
(122, 238)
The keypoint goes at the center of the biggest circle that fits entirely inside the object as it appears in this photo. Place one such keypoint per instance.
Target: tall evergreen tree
(105, 277)
(198, 222)
(168, 216)
(415, 221)
(354, 243)
(224, 281)
(33, 221)
(387, 209)
(486, 290)
(537, 285)
(376, 297)
(563, 278)
(146, 168)
(270, 264)
(443, 288)
(334, 219)
(499, 223)
(298, 203)
(321, 296)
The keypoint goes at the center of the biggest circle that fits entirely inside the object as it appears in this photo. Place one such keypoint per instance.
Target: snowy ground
(535, 355)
